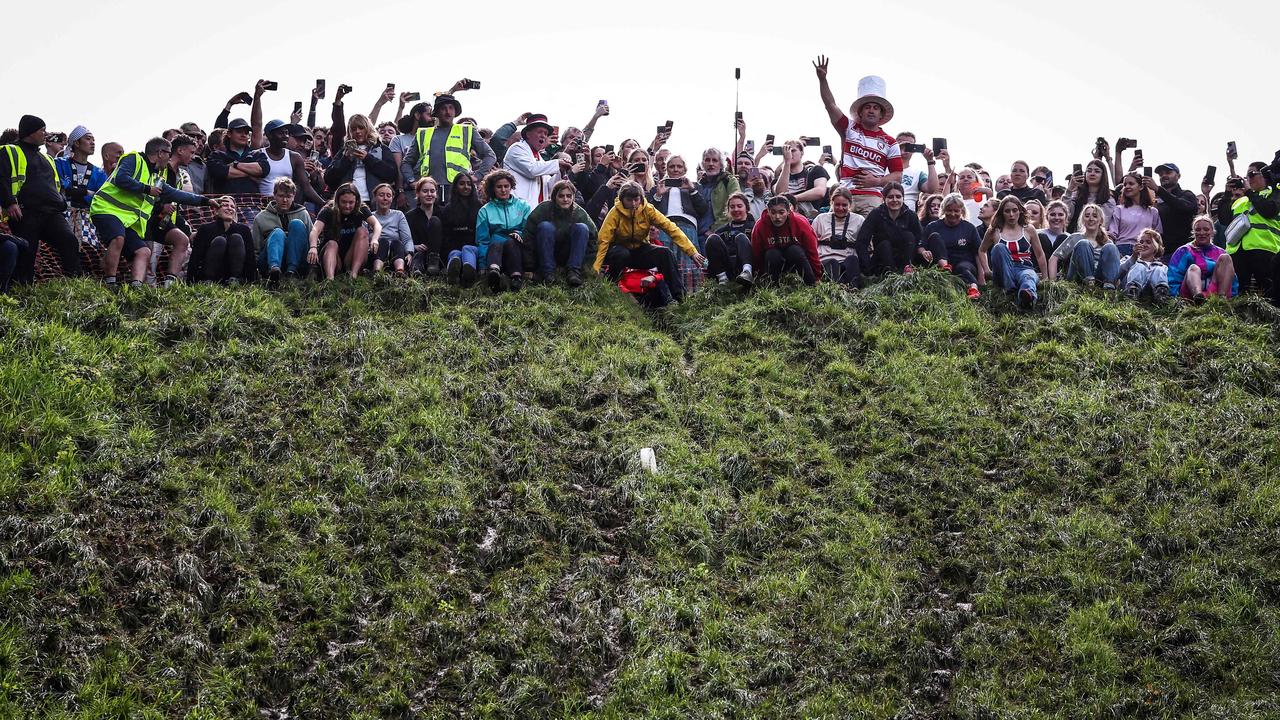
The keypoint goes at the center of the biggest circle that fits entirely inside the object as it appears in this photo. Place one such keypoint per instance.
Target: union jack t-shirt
(874, 152)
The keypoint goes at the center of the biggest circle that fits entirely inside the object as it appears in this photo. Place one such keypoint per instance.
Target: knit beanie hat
(29, 124)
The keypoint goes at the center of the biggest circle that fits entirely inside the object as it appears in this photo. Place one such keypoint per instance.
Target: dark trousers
(847, 272)
(934, 244)
(966, 271)
(1254, 267)
(513, 258)
(434, 240)
(885, 254)
(224, 259)
(727, 255)
(789, 259)
(53, 229)
(619, 258)
(10, 248)
(1275, 273)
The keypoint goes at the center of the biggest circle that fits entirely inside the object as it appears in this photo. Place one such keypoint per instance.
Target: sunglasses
(1253, 173)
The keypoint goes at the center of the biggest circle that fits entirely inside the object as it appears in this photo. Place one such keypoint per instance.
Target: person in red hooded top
(783, 241)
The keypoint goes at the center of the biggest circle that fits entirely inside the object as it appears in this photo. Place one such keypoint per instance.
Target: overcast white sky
(1001, 80)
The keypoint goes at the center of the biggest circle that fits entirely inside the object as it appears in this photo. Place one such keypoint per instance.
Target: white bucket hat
(871, 89)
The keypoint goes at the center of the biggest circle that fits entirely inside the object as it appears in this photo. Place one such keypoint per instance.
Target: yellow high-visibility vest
(457, 151)
(18, 172)
(133, 208)
(1263, 234)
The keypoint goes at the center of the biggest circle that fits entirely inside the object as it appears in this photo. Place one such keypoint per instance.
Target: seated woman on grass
(1094, 258)
(729, 246)
(783, 242)
(1200, 267)
(500, 241)
(396, 244)
(890, 236)
(341, 237)
(458, 222)
(959, 242)
(627, 243)
(837, 233)
(562, 231)
(1011, 252)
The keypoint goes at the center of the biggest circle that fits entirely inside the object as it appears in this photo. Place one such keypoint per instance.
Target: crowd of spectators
(430, 192)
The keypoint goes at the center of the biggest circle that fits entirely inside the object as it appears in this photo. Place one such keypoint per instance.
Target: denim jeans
(1144, 276)
(1105, 270)
(468, 253)
(285, 248)
(574, 241)
(1012, 277)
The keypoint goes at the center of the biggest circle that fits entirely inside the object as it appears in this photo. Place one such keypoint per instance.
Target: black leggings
(966, 271)
(727, 257)
(883, 254)
(513, 258)
(1254, 266)
(619, 258)
(789, 259)
(935, 245)
(847, 272)
(11, 247)
(224, 259)
(1275, 273)
(433, 238)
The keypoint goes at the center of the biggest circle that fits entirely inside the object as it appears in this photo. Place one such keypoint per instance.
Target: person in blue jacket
(500, 243)
(80, 178)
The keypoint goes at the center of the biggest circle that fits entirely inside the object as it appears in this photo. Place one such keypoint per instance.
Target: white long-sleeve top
(534, 176)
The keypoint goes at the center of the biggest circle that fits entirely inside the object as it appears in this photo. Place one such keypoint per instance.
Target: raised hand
(820, 66)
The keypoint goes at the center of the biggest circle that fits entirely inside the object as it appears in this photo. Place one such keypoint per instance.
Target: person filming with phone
(1253, 235)
(1177, 207)
(807, 186)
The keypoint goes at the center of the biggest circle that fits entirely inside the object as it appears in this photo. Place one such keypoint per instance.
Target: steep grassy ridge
(375, 500)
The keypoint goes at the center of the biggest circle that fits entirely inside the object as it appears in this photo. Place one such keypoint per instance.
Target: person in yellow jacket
(628, 239)
(123, 206)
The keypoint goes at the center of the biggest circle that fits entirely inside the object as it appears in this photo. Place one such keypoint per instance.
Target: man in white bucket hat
(870, 157)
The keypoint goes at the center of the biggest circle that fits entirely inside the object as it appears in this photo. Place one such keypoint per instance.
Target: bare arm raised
(828, 100)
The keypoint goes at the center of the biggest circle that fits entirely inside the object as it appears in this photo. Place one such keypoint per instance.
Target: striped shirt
(875, 153)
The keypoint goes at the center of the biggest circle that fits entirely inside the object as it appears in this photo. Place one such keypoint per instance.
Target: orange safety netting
(49, 266)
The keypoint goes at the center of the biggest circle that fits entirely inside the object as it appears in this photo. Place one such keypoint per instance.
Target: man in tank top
(283, 162)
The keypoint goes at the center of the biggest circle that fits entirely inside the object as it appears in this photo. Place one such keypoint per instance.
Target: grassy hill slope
(377, 500)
